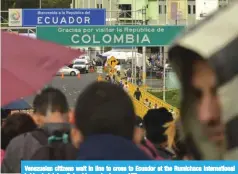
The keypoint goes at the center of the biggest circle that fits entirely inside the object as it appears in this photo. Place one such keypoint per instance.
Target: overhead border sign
(56, 17)
(94, 36)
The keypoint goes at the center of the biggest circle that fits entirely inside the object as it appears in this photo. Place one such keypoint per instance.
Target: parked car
(82, 65)
(68, 71)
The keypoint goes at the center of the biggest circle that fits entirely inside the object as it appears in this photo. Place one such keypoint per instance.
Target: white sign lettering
(62, 20)
(107, 39)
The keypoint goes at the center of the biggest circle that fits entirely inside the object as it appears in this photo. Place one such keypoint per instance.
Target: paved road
(71, 86)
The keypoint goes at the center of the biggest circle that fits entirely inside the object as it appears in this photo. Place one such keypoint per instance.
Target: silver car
(68, 71)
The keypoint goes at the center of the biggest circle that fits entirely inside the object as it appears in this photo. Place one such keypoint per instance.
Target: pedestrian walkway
(141, 108)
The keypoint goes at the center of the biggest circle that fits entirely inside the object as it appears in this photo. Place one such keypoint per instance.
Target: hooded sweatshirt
(215, 39)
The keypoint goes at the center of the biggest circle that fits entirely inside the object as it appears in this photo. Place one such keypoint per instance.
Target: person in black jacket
(137, 94)
(105, 116)
(154, 122)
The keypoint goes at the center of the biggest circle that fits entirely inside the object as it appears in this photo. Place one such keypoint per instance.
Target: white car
(81, 65)
(68, 71)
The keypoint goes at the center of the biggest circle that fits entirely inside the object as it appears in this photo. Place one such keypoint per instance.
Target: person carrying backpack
(51, 141)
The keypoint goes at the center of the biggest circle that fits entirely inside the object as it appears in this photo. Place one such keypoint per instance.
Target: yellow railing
(140, 108)
(151, 98)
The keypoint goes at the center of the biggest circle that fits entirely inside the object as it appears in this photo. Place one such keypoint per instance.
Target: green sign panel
(110, 35)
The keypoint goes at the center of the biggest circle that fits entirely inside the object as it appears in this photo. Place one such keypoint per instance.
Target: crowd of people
(103, 126)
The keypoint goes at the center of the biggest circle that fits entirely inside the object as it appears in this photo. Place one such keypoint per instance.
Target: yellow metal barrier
(153, 99)
(140, 108)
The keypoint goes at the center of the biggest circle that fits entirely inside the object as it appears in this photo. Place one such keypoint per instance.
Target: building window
(194, 9)
(189, 9)
(99, 5)
(125, 10)
(160, 9)
(165, 9)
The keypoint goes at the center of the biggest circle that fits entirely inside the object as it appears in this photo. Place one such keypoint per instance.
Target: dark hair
(15, 125)
(154, 121)
(50, 97)
(105, 108)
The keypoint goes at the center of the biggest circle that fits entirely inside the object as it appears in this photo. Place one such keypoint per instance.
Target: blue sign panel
(36, 17)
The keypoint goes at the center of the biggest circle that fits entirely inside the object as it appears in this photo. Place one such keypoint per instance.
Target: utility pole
(164, 76)
(144, 49)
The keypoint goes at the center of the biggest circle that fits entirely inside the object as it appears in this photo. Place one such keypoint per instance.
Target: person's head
(4, 114)
(137, 89)
(125, 83)
(139, 130)
(104, 108)
(154, 122)
(208, 87)
(50, 106)
(15, 125)
(146, 100)
(207, 103)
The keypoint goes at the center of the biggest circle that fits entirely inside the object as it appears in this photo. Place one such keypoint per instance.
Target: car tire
(73, 73)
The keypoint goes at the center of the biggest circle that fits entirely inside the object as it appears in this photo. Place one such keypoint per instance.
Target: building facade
(162, 12)
(147, 12)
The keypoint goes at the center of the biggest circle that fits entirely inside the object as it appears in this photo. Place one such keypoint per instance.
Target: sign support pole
(144, 49)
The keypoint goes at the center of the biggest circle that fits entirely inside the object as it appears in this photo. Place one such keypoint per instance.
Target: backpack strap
(41, 136)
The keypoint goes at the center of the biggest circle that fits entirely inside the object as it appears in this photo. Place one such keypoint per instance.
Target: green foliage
(6, 4)
(27, 3)
(56, 3)
(107, 49)
(171, 97)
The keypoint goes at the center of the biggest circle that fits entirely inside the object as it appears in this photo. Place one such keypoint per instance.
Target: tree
(5, 5)
(56, 3)
(36, 3)
(27, 3)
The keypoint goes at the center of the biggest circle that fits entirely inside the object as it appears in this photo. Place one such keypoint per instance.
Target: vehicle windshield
(79, 63)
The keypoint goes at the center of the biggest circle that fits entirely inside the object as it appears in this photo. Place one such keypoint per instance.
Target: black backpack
(53, 147)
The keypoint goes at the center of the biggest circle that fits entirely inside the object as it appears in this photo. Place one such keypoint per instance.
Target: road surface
(70, 86)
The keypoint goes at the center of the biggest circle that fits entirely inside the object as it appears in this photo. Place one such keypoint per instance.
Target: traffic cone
(99, 78)
(79, 75)
(62, 75)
